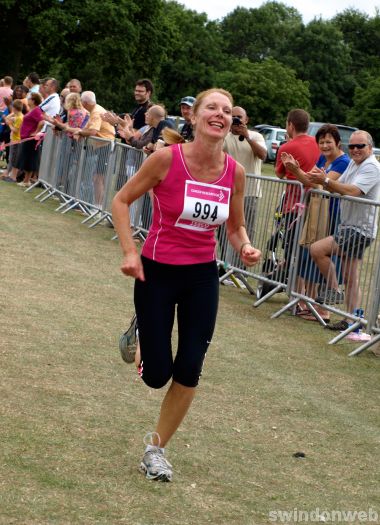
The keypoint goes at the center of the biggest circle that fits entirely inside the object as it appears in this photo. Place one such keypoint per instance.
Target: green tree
(259, 33)
(267, 90)
(193, 54)
(353, 25)
(362, 34)
(365, 113)
(319, 55)
(18, 46)
(106, 44)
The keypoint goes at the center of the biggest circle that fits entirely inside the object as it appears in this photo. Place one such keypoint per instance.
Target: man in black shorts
(358, 227)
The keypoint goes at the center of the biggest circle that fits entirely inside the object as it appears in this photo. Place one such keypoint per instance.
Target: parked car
(259, 127)
(344, 131)
(177, 121)
(273, 137)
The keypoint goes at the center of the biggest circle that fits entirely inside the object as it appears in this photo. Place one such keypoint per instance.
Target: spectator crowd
(27, 109)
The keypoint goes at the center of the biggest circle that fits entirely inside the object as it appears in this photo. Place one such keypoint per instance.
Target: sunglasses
(359, 146)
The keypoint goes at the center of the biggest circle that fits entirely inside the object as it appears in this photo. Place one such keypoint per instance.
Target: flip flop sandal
(302, 311)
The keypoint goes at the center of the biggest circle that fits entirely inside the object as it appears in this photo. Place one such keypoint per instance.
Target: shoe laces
(148, 439)
(156, 454)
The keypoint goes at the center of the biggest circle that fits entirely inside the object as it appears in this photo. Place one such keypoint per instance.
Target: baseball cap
(189, 101)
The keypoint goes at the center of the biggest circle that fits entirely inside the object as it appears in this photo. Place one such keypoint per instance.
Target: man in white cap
(186, 106)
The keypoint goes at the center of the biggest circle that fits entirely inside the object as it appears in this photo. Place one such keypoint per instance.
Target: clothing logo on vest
(205, 206)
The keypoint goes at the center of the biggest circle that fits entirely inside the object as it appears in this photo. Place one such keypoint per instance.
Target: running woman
(196, 187)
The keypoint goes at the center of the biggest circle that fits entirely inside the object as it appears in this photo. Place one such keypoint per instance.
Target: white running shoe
(154, 464)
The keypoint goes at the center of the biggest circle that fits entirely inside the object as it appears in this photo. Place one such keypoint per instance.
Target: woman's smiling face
(213, 116)
(327, 145)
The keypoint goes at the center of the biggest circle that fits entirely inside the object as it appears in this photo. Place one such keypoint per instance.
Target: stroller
(278, 250)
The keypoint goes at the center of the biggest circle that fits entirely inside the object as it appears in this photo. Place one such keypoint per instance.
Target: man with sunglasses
(358, 226)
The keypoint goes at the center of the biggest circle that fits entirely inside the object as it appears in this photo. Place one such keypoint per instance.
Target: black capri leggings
(194, 288)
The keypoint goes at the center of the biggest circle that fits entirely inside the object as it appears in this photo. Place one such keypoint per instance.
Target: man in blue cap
(186, 105)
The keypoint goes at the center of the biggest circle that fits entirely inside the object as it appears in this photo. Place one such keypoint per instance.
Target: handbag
(316, 225)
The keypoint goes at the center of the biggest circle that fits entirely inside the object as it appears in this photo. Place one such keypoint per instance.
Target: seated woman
(332, 161)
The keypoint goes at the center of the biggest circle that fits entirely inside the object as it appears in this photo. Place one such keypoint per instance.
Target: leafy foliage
(365, 113)
(267, 90)
(193, 54)
(319, 54)
(259, 33)
(266, 56)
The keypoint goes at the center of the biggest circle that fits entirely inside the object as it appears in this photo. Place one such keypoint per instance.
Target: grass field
(73, 414)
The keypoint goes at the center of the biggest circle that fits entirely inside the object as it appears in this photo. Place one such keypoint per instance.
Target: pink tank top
(187, 212)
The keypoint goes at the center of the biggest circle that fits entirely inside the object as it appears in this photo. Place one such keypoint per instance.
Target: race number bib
(205, 206)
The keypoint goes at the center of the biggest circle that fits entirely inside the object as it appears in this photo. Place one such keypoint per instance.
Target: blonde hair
(171, 136)
(73, 101)
(203, 94)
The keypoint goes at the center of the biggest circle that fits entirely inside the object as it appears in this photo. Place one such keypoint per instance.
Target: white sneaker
(154, 464)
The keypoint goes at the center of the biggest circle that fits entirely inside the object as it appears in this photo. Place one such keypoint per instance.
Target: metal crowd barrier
(374, 318)
(286, 264)
(271, 231)
(86, 174)
(357, 276)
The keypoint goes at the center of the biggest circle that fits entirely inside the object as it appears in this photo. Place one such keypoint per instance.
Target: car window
(345, 134)
(266, 133)
(280, 135)
(313, 128)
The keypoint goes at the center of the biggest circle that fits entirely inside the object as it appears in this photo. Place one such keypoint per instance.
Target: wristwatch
(326, 183)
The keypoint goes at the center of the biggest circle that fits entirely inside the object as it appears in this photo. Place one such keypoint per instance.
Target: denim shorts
(351, 242)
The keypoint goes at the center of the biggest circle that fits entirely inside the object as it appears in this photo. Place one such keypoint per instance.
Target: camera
(236, 121)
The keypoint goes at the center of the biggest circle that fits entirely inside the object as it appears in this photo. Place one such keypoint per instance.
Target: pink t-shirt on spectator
(5, 92)
(77, 118)
(30, 122)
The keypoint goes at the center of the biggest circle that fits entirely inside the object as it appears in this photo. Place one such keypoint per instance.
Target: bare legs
(321, 252)
(13, 174)
(99, 188)
(174, 408)
(27, 177)
(351, 278)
